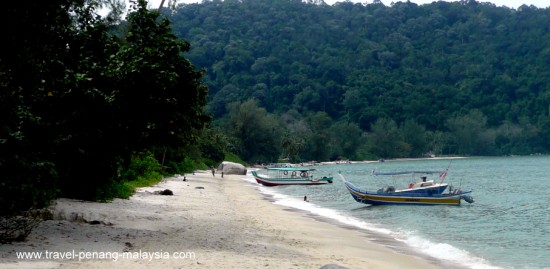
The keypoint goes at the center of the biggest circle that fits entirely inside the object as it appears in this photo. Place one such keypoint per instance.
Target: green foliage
(414, 136)
(418, 65)
(384, 140)
(26, 183)
(212, 146)
(292, 145)
(144, 170)
(318, 140)
(78, 101)
(346, 139)
(230, 157)
(115, 189)
(256, 133)
(469, 133)
(188, 165)
(142, 165)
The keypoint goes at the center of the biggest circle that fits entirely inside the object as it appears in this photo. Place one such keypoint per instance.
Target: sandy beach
(209, 222)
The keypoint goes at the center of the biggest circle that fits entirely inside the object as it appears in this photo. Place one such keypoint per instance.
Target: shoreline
(377, 161)
(375, 238)
(223, 222)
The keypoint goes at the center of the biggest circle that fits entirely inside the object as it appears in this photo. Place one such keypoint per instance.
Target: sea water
(508, 225)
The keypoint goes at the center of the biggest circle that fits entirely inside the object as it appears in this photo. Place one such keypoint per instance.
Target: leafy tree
(295, 136)
(292, 146)
(414, 135)
(257, 134)
(153, 99)
(470, 133)
(213, 145)
(318, 146)
(437, 141)
(347, 138)
(81, 101)
(384, 140)
(36, 70)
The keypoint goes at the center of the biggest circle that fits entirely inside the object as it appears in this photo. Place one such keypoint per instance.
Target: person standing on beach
(213, 172)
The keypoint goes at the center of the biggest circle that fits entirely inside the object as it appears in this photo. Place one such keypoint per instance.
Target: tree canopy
(429, 68)
(80, 99)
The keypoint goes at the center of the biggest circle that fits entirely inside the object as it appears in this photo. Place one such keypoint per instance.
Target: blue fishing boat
(419, 183)
(413, 196)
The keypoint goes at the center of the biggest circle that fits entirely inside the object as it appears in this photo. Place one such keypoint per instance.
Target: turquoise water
(508, 226)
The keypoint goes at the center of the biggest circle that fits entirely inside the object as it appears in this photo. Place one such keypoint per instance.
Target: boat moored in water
(422, 186)
(289, 176)
(421, 193)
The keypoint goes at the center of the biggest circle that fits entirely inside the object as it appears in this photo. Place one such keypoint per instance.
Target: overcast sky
(508, 3)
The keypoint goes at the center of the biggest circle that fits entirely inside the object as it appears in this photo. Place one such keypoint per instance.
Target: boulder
(230, 168)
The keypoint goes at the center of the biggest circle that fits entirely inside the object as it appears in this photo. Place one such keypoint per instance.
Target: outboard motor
(468, 198)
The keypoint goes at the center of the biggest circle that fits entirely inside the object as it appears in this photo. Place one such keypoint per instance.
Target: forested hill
(472, 77)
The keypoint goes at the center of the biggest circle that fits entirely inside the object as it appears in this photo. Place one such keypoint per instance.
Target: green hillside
(368, 80)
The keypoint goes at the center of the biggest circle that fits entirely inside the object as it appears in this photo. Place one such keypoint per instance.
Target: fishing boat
(289, 176)
(413, 196)
(419, 182)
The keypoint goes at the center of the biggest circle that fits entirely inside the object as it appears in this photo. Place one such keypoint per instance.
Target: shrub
(144, 170)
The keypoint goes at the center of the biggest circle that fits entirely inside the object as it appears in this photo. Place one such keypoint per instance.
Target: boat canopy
(296, 169)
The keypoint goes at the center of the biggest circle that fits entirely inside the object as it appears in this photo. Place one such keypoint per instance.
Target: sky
(508, 3)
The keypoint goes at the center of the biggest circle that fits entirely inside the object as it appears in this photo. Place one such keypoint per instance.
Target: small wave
(446, 252)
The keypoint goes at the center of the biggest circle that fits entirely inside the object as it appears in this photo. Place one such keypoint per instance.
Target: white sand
(225, 224)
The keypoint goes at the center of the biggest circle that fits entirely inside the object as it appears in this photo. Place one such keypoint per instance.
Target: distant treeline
(310, 81)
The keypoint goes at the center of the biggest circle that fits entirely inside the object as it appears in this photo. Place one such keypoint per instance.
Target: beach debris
(97, 222)
(128, 246)
(164, 192)
(167, 192)
(199, 188)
